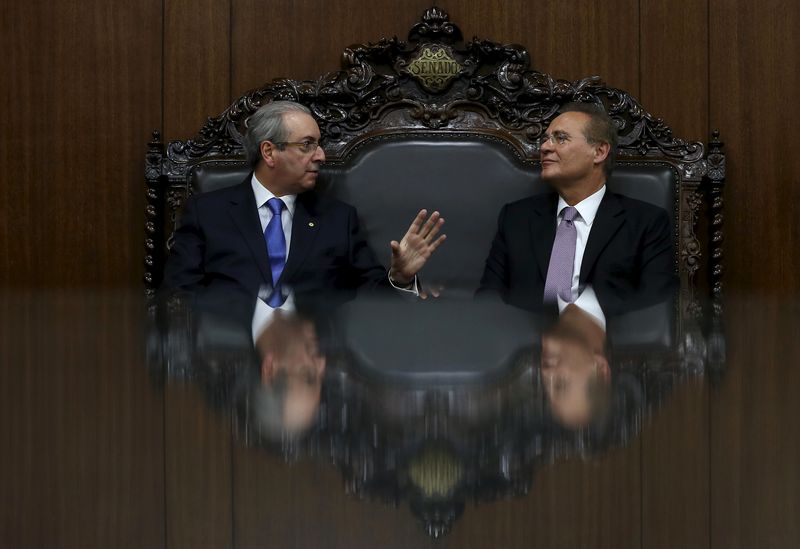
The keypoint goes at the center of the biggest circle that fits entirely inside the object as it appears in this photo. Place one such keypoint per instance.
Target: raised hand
(420, 241)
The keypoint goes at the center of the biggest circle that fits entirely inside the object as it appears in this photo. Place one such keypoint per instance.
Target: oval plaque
(433, 68)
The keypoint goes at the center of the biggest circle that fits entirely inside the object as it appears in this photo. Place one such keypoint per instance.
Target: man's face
(568, 158)
(291, 353)
(296, 171)
(289, 344)
(570, 375)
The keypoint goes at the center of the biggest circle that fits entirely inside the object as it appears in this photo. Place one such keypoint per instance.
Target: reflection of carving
(438, 517)
(407, 441)
(436, 472)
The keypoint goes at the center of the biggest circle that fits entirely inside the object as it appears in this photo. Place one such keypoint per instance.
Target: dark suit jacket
(220, 242)
(628, 258)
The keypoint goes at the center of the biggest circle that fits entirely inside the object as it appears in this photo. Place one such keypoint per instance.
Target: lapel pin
(310, 223)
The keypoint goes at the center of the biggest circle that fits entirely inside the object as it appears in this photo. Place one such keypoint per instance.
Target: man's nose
(546, 146)
(319, 155)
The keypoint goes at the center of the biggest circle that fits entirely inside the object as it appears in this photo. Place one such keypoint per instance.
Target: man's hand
(430, 291)
(410, 254)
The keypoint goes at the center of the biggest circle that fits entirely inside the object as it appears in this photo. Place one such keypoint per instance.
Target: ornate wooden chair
(438, 122)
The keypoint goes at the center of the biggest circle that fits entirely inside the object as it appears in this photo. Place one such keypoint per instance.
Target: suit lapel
(607, 222)
(305, 226)
(244, 212)
(543, 231)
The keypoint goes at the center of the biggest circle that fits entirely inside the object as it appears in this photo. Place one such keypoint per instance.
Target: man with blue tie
(581, 243)
(273, 233)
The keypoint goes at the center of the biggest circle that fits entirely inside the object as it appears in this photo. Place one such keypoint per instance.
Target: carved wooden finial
(435, 25)
(715, 146)
(435, 16)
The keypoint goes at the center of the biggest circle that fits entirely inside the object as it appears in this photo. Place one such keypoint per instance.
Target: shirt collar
(587, 208)
(263, 194)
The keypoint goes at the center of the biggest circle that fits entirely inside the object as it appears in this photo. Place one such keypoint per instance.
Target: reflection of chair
(437, 122)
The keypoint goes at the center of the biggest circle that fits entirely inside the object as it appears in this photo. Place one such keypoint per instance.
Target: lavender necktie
(562, 259)
(276, 249)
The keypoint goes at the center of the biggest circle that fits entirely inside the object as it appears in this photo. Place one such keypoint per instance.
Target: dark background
(82, 87)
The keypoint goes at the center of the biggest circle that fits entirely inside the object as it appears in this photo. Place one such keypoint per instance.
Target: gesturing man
(549, 248)
(274, 231)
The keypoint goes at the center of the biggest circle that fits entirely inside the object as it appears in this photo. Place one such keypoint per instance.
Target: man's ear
(267, 153)
(603, 369)
(601, 152)
(268, 368)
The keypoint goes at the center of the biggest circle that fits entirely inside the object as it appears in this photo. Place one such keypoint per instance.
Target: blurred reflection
(286, 397)
(430, 403)
(603, 375)
(574, 368)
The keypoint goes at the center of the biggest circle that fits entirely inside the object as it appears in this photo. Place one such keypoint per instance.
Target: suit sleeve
(184, 267)
(656, 277)
(658, 257)
(495, 271)
(364, 267)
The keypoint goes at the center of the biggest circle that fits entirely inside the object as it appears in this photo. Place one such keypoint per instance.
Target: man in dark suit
(273, 231)
(581, 242)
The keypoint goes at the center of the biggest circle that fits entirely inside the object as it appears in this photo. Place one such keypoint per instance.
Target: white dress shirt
(584, 298)
(263, 195)
(263, 314)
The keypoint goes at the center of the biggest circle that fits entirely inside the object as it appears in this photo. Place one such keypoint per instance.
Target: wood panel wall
(81, 424)
(81, 90)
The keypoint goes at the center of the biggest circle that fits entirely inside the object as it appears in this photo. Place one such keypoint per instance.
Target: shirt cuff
(589, 303)
(412, 287)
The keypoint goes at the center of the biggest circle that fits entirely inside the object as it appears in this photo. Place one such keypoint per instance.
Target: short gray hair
(266, 124)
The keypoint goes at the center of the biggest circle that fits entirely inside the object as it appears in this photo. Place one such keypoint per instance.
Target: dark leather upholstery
(210, 175)
(445, 342)
(450, 341)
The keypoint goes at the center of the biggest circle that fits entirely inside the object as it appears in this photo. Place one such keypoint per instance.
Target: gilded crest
(433, 68)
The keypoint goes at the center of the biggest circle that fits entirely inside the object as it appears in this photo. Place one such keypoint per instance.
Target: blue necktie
(276, 249)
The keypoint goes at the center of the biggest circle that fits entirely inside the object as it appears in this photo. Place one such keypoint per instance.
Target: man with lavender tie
(581, 243)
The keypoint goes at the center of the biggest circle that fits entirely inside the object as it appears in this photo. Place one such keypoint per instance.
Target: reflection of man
(273, 230)
(549, 247)
(292, 368)
(267, 363)
(575, 370)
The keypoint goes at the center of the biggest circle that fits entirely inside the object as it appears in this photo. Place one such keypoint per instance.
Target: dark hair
(599, 129)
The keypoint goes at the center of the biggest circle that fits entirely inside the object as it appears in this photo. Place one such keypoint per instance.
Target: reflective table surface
(193, 422)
